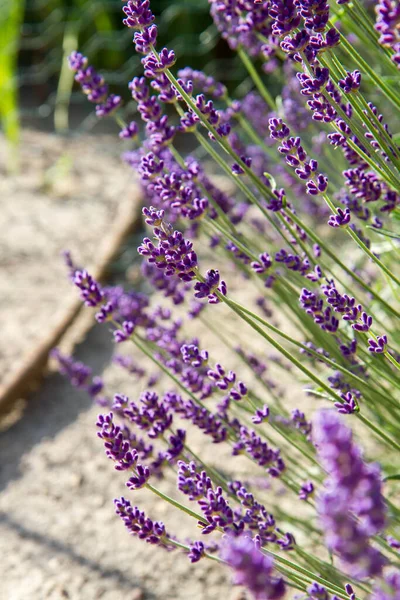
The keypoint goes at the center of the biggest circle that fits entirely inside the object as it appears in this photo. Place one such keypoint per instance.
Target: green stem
(263, 91)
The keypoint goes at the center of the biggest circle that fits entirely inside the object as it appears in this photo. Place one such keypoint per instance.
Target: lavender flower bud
(378, 346)
(341, 219)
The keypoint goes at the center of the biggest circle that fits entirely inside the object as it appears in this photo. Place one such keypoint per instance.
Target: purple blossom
(91, 293)
(351, 83)
(378, 346)
(393, 543)
(193, 356)
(151, 414)
(137, 14)
(389, 588)
(210, 286)
(124, 333)
(109, 106)
(301, 423)
(140, 479)
(80, 376)
(261, 415)
(130, 131)
(349, 404)
(200, 416)
(341, 219)
(252, 568)
(116, 444)
(263, 264)
(353, 488)
(145, 39)
(93, 85)
(197, 552)
(296, 157)
(205, 83)
(139, 525)
(154, 66)
(258, 450)
(306, 490)
(174, 253)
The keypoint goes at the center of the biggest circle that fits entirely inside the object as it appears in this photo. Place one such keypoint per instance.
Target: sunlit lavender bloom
(138, 524)
(306, 490)
(352, 488)
(389, 588)
(252, 568)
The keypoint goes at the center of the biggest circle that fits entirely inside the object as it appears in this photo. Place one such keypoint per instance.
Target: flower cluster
(253, 569)
(93, 85)
(296, 158)
(351, 507)
(292, 232)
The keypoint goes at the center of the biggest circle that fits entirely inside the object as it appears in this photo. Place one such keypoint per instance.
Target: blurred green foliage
(52, 28)
(10, 21)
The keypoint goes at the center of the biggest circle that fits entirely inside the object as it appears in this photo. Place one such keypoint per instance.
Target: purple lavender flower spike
(317, 592)
(123, 334)
(365, 324)
(139, 525)
(80, 376)
(348, 406)
(259, 450)
(140, 479)
(197, 552)
(138, 14)
(306, 490)
(353, 488)
(116, 444)
(209, 286)
(145, 38)
(388, 589)
(252, 568)
(205, 83)
(378, 346)
(393, 543)
(301, 423)
(388, 15)
(341, 219)
(109, 106)
(350, 591)
(261, 415)
(264, 263)
(130, 131)
(193, 356)
(209, 423)
(77, 62)
(91, 292)
(93, 85)
(153, 67)
(351, 83)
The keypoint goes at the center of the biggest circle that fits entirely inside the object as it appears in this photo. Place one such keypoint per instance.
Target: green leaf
(391, 477)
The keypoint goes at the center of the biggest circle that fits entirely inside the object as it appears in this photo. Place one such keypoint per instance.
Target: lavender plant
(303, 253)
